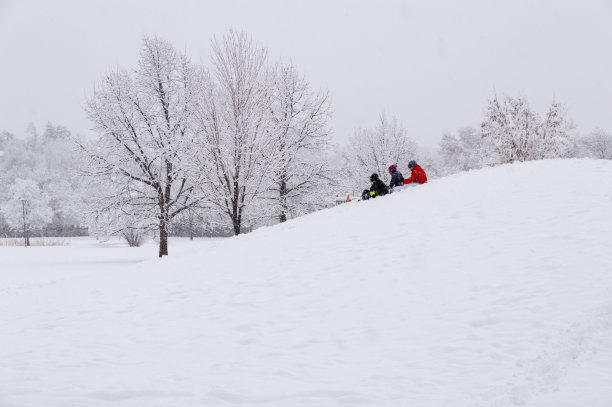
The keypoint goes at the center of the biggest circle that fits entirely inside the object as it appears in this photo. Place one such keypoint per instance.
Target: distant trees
(26, 206)
(465, 151)
(512, 131)
(597, 144)
(39, 167)
(517, 133)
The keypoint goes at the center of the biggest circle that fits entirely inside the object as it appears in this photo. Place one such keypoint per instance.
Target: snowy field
(488, 288)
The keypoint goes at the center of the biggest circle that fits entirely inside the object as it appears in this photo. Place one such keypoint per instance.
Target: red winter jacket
(418, 176)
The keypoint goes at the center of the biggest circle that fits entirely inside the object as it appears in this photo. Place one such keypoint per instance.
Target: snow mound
(487, 288)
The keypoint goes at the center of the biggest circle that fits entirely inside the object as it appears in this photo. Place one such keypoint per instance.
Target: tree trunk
(283, 200)
(236, 224)
(190, 226)
(236, 212)
(163, 237)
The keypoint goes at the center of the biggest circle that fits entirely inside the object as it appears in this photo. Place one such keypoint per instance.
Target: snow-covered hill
(488, 288)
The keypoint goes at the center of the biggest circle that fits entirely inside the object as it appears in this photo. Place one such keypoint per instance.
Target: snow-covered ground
(488, 288)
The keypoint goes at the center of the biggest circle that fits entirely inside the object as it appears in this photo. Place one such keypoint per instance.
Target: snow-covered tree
(597, 144)
(451, 152)
(53, 132)
(50, 166)
(27, 206)
(140, 160)
(556, 134)
(517, 133)
(513, 128)
(465, 151)
(233, 123)
(300, 135)
(5, 139)
(17, 160)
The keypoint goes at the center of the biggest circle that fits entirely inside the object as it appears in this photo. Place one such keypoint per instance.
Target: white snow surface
(487, 288)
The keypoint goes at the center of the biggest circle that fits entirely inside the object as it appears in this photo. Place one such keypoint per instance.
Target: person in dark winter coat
(378, 187)
(418, 174)
(397, 178)
(365, 195)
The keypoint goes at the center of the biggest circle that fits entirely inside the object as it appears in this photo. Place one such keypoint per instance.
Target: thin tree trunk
(190, 225)
(283, 201)
(236, 218)
(163, 236)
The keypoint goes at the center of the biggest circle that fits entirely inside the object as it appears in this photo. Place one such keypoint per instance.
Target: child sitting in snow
(378, 187)
(397, 178)
(418, 175)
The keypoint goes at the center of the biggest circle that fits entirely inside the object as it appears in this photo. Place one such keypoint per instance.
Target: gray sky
(433, 64)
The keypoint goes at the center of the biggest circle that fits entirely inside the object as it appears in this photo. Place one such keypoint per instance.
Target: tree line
(243, 138)
(233, 144)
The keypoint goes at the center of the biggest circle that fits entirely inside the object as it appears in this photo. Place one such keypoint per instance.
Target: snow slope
(488, 288)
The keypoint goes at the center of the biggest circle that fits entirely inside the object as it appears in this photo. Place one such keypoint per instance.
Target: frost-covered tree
(6, 138)
(233, 123)
(513, 129)
(300, 135)
(53, 132)
(451, 152)
(17, 160)
(556, 134)
(27, 206)
(373, 150)
(517, 133)
(465, 151)
(140, 161)
(597, 144)
(50, 166)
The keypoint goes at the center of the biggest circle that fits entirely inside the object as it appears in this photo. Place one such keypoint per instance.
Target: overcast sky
(433, 64)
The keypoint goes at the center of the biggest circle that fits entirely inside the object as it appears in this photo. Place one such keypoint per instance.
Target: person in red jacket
(418, 174)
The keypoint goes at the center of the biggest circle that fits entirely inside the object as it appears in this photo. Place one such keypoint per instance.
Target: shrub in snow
(133, 237)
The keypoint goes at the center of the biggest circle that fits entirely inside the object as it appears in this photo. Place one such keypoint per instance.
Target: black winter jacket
(397, 179)
(379, 187)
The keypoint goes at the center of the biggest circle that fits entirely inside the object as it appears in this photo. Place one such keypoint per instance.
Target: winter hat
(412, 164)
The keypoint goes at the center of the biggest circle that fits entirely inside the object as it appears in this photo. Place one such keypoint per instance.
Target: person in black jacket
(397, 178)
(378, 187)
